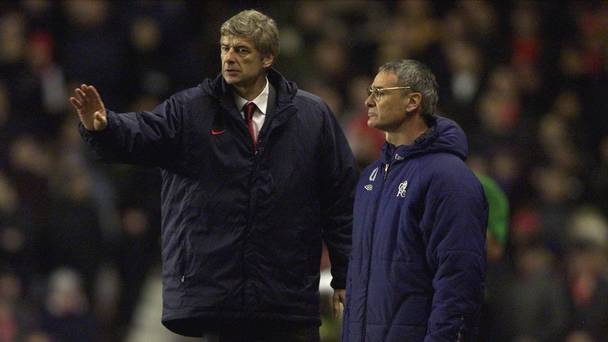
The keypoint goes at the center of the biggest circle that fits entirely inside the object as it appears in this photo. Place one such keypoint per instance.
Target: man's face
(387, 112)
(242, 63)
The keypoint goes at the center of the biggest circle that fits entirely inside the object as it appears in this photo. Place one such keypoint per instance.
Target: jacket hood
(219, 89)
(444, 135)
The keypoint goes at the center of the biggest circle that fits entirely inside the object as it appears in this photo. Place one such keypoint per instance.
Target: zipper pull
(259, 148)
(386, 170)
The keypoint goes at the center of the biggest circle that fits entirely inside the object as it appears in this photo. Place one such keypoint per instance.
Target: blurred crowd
(527, 81)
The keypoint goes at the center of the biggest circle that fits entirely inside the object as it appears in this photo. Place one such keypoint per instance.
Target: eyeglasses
(378, 92)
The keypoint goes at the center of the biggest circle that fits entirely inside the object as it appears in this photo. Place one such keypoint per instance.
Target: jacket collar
(285, 90)
(443, 135)
(420, 145)
(280, 109)
(261, 101)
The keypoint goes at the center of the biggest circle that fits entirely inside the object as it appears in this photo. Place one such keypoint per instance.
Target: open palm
(90, 108)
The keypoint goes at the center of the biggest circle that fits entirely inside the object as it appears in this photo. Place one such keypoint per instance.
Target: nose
(369, 101)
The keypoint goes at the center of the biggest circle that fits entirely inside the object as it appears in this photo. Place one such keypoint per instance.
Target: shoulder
(191, 100)
(448, 173)
(187, 95)
(310, 102)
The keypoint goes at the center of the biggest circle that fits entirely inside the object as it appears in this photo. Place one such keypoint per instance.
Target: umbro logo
(372, 176)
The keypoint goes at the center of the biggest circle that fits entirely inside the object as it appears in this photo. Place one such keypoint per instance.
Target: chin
(230, 80)
(371, 123)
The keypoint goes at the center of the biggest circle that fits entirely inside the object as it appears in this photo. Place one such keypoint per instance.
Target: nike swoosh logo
(216, 132)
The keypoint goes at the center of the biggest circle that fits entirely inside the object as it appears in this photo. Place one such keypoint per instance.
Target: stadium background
(527, 81)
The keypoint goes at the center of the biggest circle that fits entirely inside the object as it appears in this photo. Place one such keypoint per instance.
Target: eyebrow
(240, 45)
(390, 87)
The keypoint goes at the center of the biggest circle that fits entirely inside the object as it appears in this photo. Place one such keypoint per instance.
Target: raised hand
(90, 108)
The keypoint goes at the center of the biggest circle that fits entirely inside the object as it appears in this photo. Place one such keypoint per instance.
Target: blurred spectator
(37, 336)
(587, 267)
(74, 238)
(555, 189)
(598, 186)
(66, 315)
(12, 42)
(17, 316)
(533, 303)
(482, 25)
(93, 49)
(50, 76)
(134, 251)
(5, 107)
(9, 329)
(579, 336)
(466, 69)
(28, 168)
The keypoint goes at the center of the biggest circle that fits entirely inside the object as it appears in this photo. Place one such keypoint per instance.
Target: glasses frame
(377, 93)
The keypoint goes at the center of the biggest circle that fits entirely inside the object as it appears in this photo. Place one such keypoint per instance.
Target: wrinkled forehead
(232, 40)
(385, 79)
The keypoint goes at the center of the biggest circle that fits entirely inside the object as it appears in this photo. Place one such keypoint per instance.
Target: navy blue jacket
(242, 230)
(417, 266)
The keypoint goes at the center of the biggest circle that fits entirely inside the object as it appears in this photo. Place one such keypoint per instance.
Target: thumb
(101, 120)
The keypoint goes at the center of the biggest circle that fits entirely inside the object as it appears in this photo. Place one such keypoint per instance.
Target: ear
(267, 61)
(414, 103)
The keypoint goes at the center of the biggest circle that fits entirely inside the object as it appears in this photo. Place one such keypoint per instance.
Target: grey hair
(420, 78)
(260, 28)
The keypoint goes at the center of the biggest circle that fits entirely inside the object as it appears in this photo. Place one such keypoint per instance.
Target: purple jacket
(417, 267)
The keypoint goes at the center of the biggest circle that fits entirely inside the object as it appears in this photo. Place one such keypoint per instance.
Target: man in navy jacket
(255, 175)
(417, 266)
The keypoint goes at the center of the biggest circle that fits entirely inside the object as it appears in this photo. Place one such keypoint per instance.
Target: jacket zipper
(250, 215)
(461, 330)
(371, 247)
(257, 152)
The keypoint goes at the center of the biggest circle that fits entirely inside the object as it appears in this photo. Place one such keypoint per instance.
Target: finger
(90, 93)
(80, 96)
(93, 92)
(77, 105)
(336, 307)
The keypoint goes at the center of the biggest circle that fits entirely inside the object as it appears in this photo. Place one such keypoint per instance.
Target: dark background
(525, 79)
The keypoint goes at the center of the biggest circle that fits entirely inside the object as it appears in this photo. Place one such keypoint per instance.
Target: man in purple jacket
(416, 271)
(255, 175)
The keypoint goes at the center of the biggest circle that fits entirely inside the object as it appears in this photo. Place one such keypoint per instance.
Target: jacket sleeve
(339, 175)
(457, 217)
(144, 138)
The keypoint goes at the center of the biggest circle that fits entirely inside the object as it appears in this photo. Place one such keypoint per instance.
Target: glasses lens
(374, 92)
